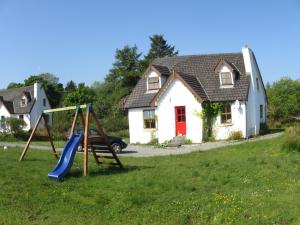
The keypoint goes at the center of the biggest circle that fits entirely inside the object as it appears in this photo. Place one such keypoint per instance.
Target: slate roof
(198, 71)
(11, 99)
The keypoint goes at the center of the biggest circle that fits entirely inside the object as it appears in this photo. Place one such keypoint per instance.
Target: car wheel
(116, 147)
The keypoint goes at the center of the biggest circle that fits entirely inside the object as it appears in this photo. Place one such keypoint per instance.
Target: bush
(7, 137)
(292, 139)
(188, 141)
(153, 141)
(235, 135)
(15, 127)
(264, 129)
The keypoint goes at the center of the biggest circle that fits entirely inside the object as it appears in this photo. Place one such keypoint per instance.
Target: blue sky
(76, 39)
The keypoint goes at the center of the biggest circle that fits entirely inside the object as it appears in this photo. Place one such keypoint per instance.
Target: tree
(125, 71)
(284, 99)
(14, 85)
(70, 86)
(158, 49)
(82, 95)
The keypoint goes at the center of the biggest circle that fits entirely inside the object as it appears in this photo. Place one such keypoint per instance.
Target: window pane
(226, 78)
(149, 118)
(153, 83)
(226, 114)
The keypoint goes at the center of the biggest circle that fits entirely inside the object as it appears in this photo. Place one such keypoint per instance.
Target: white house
(25, 103)
(167, 100)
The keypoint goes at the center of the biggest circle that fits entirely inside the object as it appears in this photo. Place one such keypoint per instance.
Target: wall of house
(178, 95)
(39, 95)
(3, 112)
(256, 97)
(138, 134)
(238, 116)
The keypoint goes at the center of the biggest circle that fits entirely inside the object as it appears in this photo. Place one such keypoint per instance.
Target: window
(261, 111)
(149, 118)
(21, 117)
(257, 83)
(2, 122)
(44, 102)
(226, 78)
(180, 114)
(153, 83)
(23, 102)
(226, 114)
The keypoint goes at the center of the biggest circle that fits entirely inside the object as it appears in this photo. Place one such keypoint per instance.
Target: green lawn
(252, 183)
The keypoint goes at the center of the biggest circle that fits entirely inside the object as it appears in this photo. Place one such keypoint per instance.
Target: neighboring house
(25, 103)
(167, 100)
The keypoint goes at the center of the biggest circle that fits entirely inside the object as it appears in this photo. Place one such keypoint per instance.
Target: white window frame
(144, 124)
(25, 102)
(226, 85)
(159, 84)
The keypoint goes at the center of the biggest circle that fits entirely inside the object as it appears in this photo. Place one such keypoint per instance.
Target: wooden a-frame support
(42, 116)
(85, 123)
(90, 113)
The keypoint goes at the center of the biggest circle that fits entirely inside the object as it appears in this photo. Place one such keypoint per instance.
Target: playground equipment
(67, 157)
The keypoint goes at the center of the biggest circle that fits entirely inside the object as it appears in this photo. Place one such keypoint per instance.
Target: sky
(76, 40)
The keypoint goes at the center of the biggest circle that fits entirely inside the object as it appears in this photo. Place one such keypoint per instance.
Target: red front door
(180, 120)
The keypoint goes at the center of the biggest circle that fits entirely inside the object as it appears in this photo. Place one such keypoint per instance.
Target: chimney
(36, 88)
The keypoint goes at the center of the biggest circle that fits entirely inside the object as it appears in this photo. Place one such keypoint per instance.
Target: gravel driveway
(148, 151)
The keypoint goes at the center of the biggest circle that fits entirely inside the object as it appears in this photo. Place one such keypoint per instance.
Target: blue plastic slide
(66, 160)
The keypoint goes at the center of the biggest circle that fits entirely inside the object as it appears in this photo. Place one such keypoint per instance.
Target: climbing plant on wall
(210, 110)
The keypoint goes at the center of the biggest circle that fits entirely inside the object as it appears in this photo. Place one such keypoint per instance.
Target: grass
(251, 183)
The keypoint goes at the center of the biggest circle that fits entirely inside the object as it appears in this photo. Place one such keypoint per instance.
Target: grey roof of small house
(11, 99)
(198, 71)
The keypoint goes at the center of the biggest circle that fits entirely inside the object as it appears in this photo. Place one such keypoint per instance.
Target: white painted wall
(178, 95)
(138, 134)
(3, 112)
(39, 95)
(255, 97)
(238, 117)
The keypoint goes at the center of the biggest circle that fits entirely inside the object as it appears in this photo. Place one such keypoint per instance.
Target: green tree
(125, 71)
(70, 86)
(284, 99)
(159, 48)
(82, 95)
(14, 85)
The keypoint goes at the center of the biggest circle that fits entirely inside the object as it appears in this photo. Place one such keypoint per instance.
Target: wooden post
(94, 154)
(49, 135)
(31, 135)
(74, 122)
(86, 133)
(105, 139)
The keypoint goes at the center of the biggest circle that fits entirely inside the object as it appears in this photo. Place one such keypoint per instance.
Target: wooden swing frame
(87, 140)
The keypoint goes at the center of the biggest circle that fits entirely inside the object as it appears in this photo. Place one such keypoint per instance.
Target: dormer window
(153, 83)
(228, 73)
(226, 78)
(23, 102)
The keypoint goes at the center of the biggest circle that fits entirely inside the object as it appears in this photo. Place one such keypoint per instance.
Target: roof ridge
(18, 88)
(196, 55)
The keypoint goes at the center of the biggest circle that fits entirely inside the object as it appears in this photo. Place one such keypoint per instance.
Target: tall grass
(292, 139)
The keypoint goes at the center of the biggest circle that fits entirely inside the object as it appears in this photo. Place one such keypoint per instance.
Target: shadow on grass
(106, 170)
